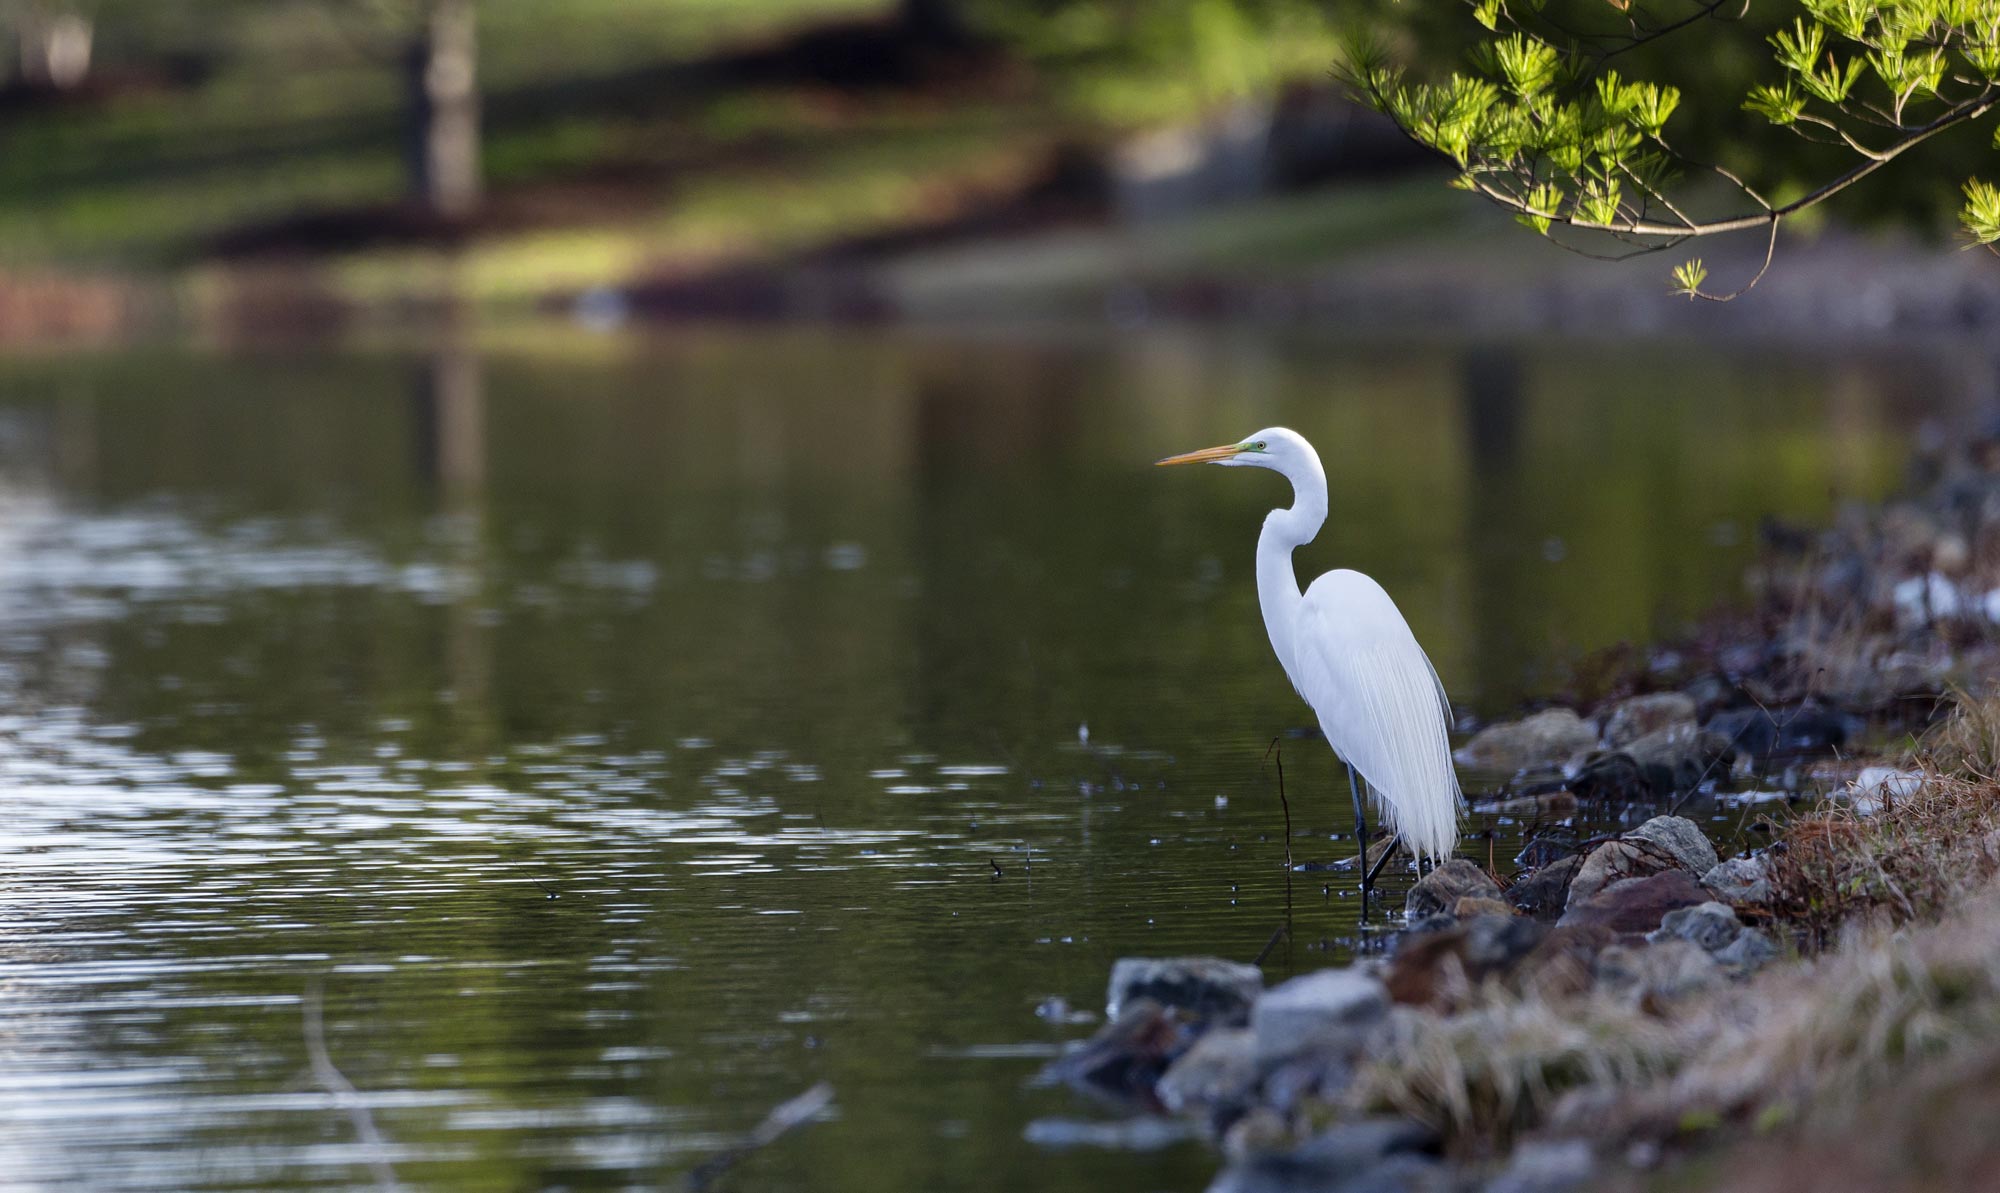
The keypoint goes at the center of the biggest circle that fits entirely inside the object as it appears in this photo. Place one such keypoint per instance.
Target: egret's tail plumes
(1381, 706)
(1413, 781)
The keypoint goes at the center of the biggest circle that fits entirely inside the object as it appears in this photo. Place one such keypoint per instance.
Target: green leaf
(1981, 214)
(1688, 277)
(1780, 105)
(1800, 49)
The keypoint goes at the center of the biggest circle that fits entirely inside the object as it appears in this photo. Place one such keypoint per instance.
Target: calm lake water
(625, 736)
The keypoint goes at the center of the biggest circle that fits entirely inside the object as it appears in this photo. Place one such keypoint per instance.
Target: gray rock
(1207, 987)
(1442, 888)
(1543, 893)
(1147, 1133)
(1684, 752)
(1370, 1155)
(1680, 837)
(1332, 1008)
(1128, 1054)
(1656, 973)
(1709, 926)
(1350, 1146)
(1218, 1072)
(1546, 1166)
(1743, 881)
(1751, 951)
(1644, 715)
(1549, 738)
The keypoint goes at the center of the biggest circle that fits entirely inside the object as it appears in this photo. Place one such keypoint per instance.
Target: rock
(1653, 975)
(1370, 1155)
(1543, 893)
(1680, 837)
(1801, 729)
(1751, 951)
(1548, 738)
(1563, 964)
(1474, 905)
(1554, 1166)
(1430, 969)
(1709, 926)
(1634, 905)
(1319, 1075)
(1129, 1054)
(1215, 1075)
(1675, 759)
(1330, 1008)
(1614, 861)
(1442, 888)
(1644, 715)
(1147, 1133)
(1743, 881)
(1711, 693)
(1560, 802)
(1551, 844)
(1205, 987)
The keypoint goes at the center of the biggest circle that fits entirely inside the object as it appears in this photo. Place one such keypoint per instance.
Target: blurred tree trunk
(54, 49)
(443, 77)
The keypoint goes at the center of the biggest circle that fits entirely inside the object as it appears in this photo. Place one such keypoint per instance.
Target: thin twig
(1286, 805)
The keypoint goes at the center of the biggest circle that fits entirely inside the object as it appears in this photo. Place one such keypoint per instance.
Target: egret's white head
(1280, 449)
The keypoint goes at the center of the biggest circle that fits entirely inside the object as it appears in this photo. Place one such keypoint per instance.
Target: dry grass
(1913, 858)
(1484, 1075)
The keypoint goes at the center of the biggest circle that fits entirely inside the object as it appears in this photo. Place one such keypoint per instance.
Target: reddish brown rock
(1636, 905)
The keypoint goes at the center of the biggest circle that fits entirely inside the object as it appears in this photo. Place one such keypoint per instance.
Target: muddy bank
(1642, 1010)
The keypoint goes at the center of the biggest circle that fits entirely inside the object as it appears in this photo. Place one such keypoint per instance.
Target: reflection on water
(628, 737)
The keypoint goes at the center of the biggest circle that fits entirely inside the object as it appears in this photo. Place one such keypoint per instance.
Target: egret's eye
(1259, 445)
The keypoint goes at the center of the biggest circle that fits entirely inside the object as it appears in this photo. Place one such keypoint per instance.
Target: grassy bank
(618, 141)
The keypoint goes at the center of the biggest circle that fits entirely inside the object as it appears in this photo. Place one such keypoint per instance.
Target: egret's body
(1350, 654)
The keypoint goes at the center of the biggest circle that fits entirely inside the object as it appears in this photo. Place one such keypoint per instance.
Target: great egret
(1348, 651)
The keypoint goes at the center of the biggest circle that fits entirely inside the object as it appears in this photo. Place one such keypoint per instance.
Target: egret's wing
(1381, 705)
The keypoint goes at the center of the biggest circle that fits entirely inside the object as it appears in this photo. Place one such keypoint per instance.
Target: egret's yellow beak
(1207, 455)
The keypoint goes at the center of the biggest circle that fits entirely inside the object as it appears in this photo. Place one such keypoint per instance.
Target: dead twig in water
(344, 1094)
(1286, 805)
(795, 1112)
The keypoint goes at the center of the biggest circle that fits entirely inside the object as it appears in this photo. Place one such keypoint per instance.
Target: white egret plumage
(1352, 656)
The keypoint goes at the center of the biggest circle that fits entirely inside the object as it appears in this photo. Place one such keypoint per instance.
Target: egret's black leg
(1361, 836)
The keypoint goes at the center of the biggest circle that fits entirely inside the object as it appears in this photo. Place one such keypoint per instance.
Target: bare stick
(1286, 805)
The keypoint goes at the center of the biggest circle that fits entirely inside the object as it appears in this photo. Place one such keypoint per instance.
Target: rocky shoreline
(1608, 1008)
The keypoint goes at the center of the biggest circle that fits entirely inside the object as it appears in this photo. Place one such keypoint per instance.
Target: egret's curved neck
(1277, 584)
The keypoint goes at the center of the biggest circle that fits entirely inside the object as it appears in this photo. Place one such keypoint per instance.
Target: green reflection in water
(760, 651)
